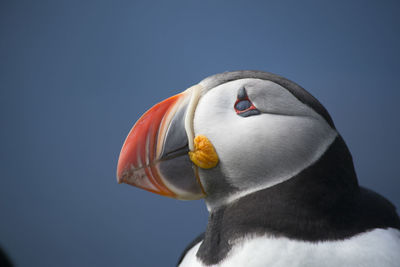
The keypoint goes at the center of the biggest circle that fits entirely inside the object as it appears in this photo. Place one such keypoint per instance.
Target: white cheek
(266, 149)
(260, 151)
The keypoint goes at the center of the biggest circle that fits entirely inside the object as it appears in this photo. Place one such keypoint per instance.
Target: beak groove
(155, 156)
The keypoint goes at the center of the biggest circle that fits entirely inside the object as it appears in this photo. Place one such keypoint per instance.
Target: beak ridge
(154, 155)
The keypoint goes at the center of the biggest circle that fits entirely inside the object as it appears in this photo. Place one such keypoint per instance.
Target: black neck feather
(323, 202)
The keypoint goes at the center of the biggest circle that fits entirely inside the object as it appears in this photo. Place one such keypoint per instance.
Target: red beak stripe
(138, 157)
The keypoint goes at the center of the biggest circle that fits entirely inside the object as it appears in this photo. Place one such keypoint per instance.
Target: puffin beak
(155, 156)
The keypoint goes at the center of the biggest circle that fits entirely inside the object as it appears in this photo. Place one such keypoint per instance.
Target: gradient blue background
(76, 75)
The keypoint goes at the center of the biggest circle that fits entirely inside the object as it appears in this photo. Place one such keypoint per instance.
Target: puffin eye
(243, 105)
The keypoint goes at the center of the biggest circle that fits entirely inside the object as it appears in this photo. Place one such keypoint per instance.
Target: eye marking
(243, 106)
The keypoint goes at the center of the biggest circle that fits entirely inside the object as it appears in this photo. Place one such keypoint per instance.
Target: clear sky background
(76, 75)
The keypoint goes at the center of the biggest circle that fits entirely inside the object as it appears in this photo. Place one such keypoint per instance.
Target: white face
(261, 150)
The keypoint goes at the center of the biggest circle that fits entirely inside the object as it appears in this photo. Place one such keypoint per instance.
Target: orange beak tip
(159, 133)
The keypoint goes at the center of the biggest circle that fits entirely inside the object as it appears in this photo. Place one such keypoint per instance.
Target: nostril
(184, 150)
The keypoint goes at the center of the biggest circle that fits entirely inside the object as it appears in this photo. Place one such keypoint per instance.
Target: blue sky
(76, 75)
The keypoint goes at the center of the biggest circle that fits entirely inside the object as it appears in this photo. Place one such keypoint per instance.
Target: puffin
(277, 178)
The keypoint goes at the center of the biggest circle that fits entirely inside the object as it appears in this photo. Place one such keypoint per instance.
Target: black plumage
(323, 202)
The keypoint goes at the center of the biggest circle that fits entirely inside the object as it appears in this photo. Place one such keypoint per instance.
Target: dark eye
(243, 105)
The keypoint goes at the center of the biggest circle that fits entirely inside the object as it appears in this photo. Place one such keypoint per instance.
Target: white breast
(377, 248)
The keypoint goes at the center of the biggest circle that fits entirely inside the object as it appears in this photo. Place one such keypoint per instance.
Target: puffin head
(232, 134)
